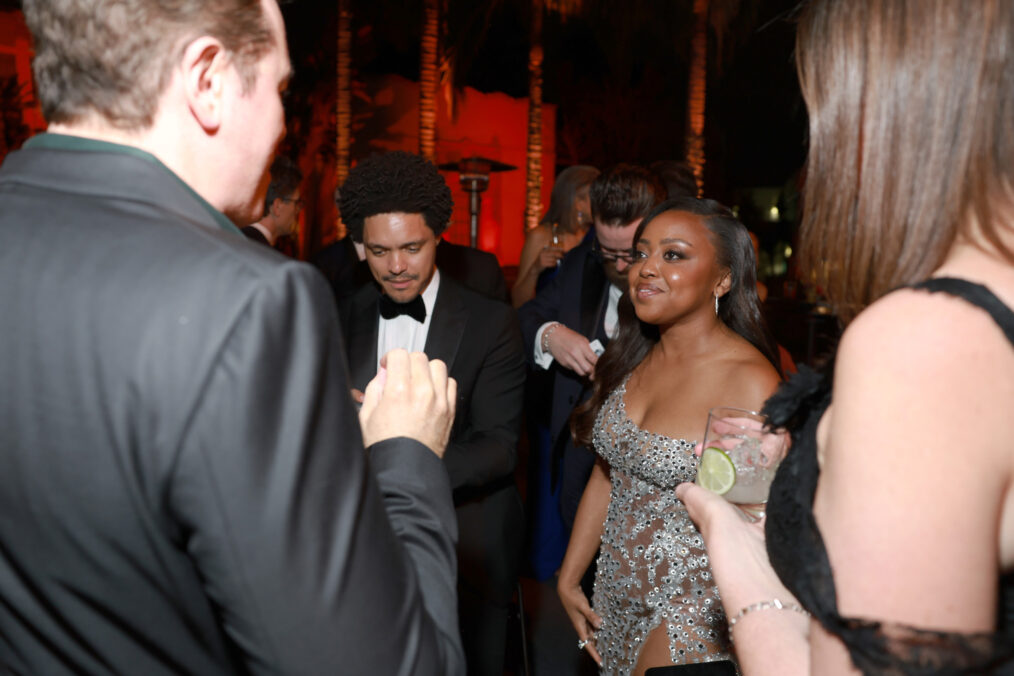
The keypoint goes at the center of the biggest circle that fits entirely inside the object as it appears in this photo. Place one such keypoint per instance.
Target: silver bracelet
(545, 335)
(773, 604)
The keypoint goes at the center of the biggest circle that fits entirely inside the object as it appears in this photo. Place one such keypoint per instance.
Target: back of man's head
(677, 177)
(112, 59)
(285, 179)
(624, 194)
(395, 182)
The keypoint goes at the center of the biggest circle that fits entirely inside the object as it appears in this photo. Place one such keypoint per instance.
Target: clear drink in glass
(746, 440)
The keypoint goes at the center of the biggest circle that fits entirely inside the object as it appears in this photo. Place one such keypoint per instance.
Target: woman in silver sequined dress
(697, 341)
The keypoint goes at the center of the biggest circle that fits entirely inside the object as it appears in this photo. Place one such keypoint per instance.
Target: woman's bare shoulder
(934, 357)
(915, 327)
(921, 382)
(745, 372)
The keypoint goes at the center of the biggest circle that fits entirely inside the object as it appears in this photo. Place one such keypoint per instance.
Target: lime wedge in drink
(716, 471)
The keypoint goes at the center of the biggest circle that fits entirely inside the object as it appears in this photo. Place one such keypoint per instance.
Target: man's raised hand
(410, 396)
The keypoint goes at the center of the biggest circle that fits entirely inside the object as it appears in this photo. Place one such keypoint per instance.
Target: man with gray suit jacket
(183, 482)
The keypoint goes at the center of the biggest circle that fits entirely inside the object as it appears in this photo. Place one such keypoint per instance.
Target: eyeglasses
(611, 256)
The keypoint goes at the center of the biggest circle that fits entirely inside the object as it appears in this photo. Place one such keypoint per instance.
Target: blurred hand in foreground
(736, 550)
(410, 396)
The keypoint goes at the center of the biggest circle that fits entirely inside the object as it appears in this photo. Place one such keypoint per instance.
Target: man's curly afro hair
(395, 182)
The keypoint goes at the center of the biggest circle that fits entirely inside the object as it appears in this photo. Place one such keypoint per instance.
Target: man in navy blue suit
(567, 325)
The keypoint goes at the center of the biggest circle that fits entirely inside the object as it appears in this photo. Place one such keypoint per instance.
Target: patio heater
(473, 172)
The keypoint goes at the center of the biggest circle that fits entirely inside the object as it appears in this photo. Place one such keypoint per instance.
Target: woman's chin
(646, 313)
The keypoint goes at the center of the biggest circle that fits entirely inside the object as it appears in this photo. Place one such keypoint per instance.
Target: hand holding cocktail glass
(740, 454)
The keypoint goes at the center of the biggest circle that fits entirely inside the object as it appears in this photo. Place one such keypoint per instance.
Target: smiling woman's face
(675, 273)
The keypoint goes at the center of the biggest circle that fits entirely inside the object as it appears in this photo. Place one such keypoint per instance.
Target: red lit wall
(16, 59)
(491, 125)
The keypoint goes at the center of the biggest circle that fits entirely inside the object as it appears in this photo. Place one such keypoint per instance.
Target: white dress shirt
(405, 332)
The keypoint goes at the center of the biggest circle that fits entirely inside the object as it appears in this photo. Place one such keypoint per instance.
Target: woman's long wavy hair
(739, 308)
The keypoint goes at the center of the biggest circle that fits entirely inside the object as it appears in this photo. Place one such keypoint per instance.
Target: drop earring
(716, 304)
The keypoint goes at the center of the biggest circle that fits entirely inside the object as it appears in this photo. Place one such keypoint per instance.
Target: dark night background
(617, 72)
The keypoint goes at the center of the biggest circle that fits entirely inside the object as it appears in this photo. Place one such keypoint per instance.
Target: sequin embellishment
(652, 567)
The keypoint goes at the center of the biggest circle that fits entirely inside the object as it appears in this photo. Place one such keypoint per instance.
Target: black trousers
(490, 540)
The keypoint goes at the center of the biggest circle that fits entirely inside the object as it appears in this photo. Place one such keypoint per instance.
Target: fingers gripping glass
(611, 255)
(740, 456)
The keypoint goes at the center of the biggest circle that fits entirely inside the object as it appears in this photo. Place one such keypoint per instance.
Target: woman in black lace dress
(891, 521)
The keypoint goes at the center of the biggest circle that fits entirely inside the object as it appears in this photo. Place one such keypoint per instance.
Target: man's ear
(205, 65)
(275, 206)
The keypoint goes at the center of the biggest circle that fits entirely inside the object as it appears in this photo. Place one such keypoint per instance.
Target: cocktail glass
(740, 454)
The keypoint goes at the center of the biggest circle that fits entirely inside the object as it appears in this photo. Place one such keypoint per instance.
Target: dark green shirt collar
(89, 145)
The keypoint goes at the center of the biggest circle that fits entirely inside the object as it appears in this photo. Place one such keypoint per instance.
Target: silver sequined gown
(652, 567)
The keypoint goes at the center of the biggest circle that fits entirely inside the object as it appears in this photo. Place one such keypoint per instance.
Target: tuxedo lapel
(447, 327)
(593, 284)
(362, 333)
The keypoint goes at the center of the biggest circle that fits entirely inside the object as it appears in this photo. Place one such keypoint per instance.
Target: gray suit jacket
(183, 487)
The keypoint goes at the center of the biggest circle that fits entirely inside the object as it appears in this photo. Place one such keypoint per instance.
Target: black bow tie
(415, 308)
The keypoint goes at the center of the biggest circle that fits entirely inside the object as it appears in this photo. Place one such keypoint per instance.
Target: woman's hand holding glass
(740, 456)
(549, 257)
(734, 536)
(736, 550)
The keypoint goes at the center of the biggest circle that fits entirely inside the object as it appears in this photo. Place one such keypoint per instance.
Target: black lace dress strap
(977, 295)
(797, 551)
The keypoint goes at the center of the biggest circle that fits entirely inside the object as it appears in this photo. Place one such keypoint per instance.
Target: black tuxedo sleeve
(485, 448)
(315, 563)
(544, 307)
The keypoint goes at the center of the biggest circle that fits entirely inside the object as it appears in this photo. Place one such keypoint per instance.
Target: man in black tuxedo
(183, 482)
(398, 204)
(569, 322)
(282, 204)
(475, 269)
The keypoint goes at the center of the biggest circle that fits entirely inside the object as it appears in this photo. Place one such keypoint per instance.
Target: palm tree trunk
(697, 92)
(343, 125)
(533, 181)
(428, 74)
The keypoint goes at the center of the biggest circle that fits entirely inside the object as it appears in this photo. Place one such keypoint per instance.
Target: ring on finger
(581, 644)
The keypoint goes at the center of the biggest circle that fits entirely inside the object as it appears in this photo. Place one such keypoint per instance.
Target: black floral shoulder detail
(797, 551)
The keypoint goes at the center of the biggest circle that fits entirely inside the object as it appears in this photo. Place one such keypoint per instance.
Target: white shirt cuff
(542, 359)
